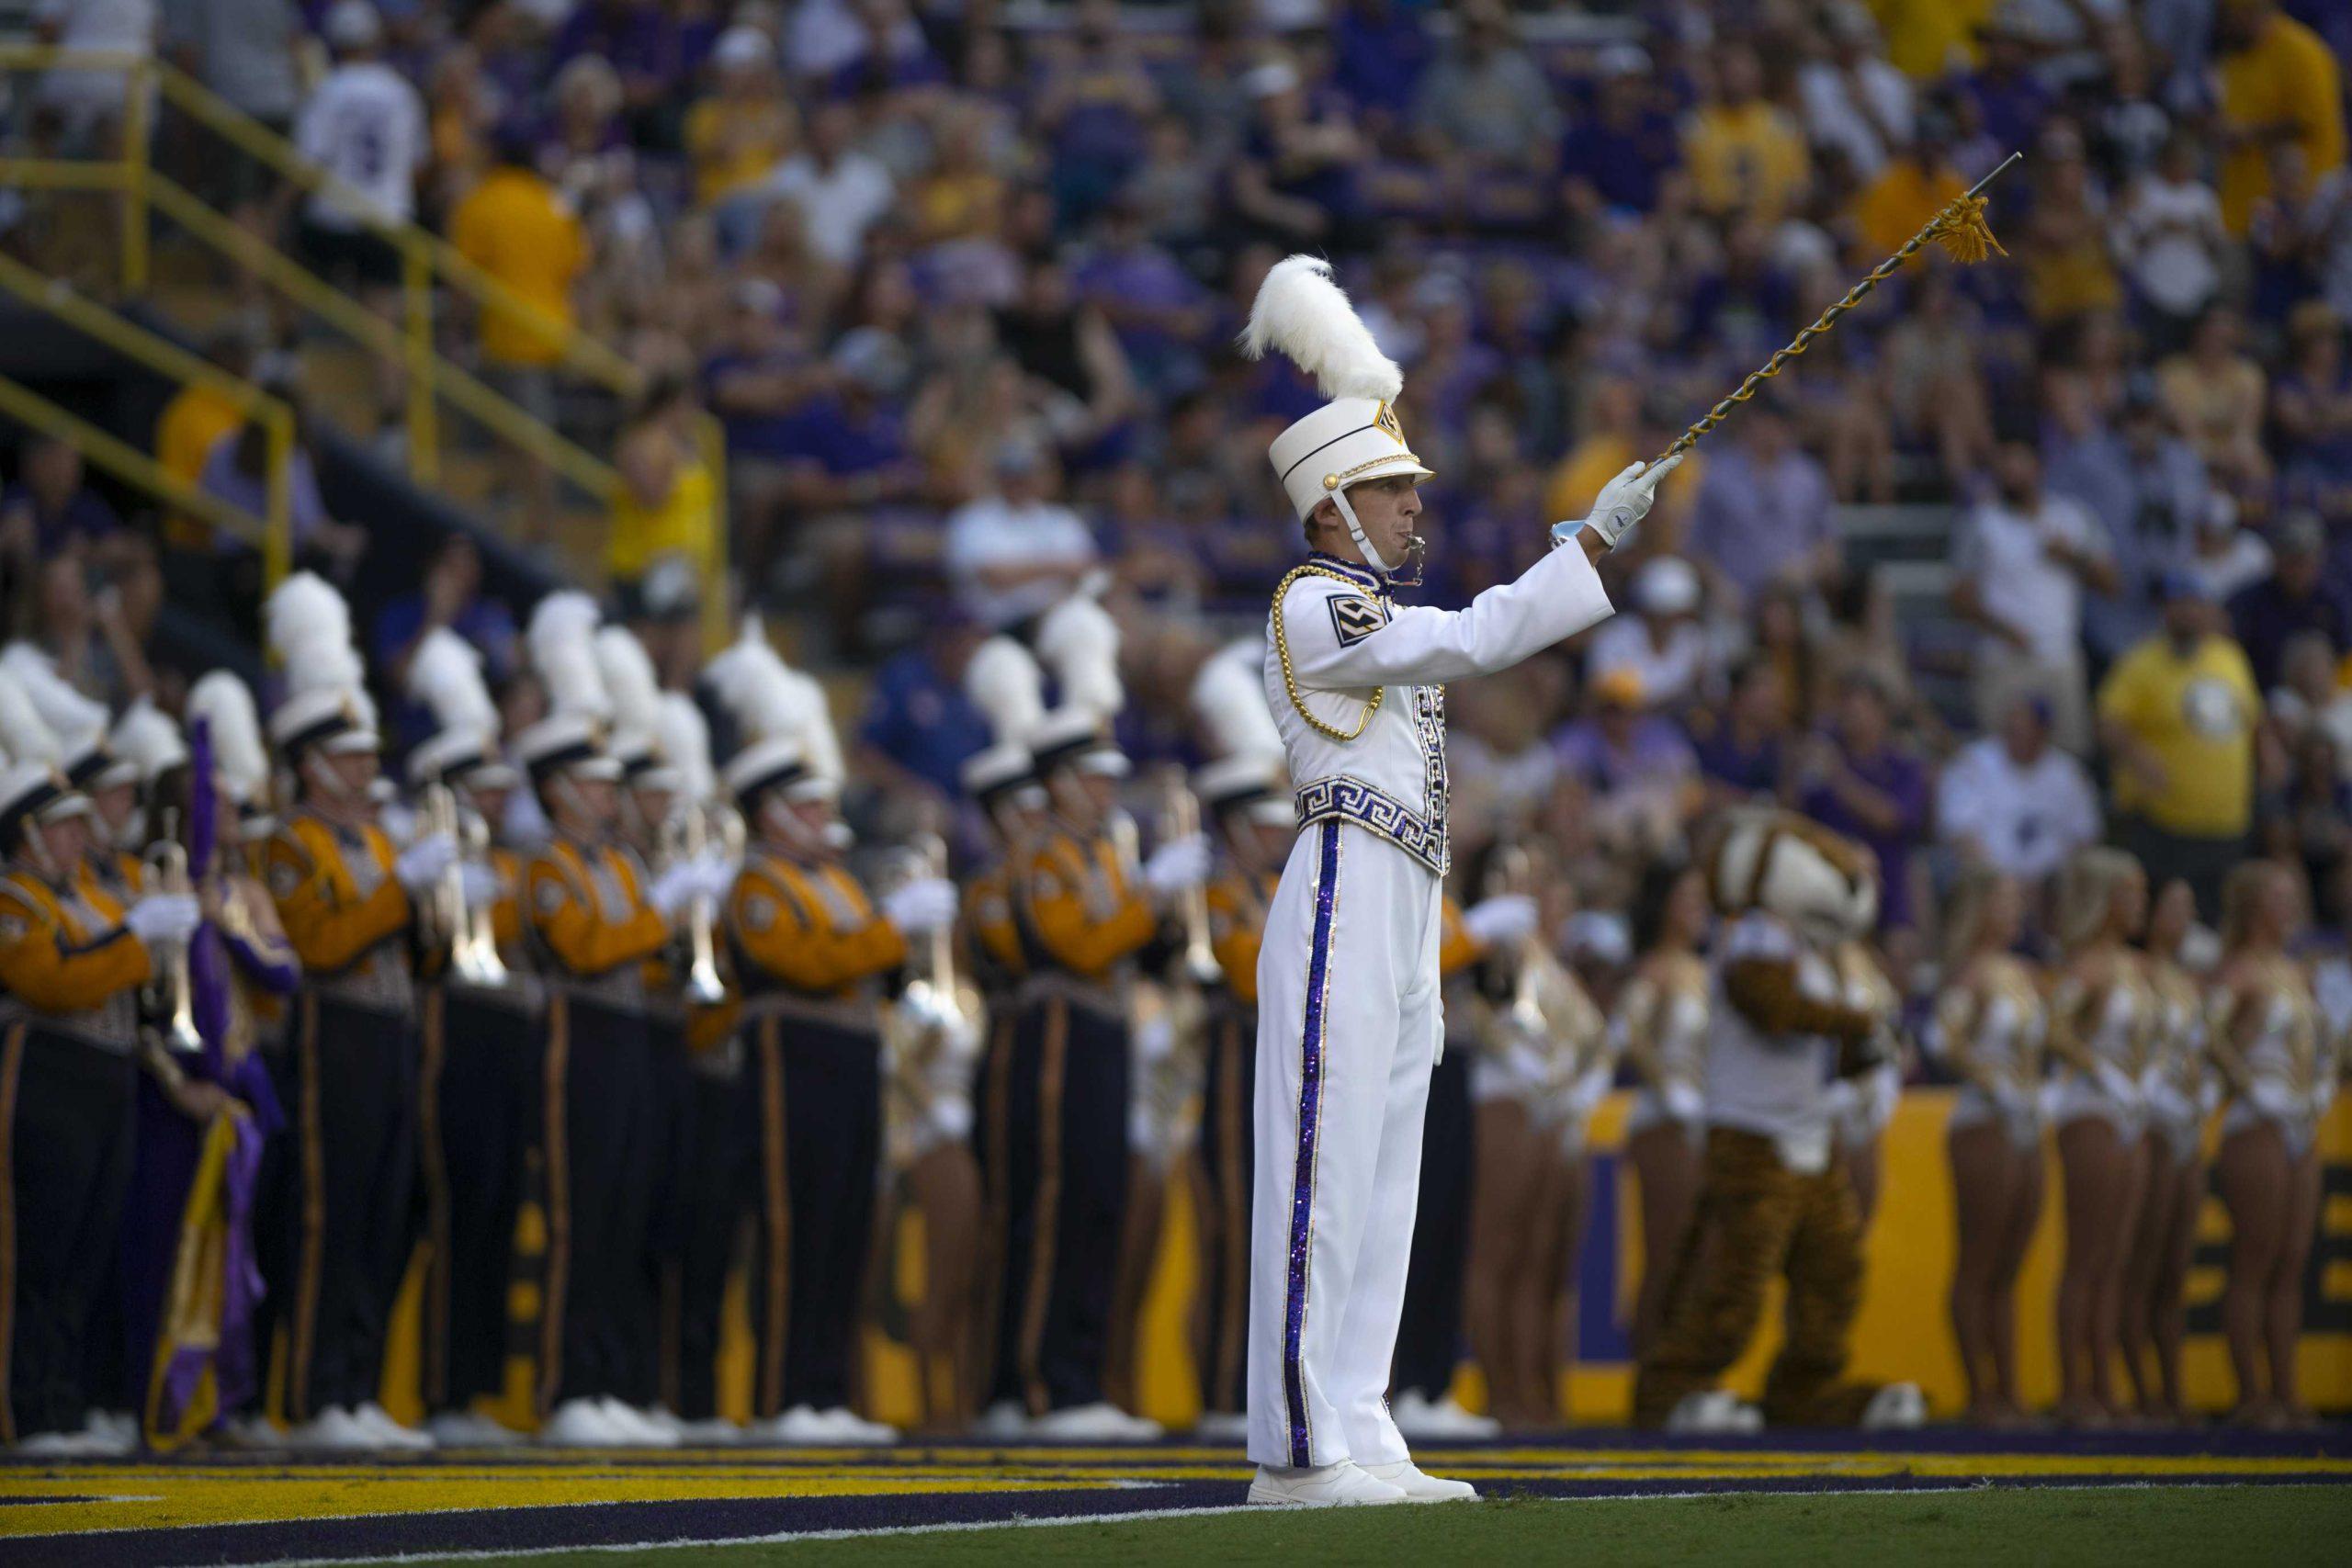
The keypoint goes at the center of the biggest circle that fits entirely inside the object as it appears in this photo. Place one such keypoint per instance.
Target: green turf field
(2152, 1526)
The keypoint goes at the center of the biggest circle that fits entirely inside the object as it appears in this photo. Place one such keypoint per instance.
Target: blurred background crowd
(2022, 558)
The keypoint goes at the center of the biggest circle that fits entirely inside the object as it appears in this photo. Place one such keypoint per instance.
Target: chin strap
(1396, 574)
(320, 776)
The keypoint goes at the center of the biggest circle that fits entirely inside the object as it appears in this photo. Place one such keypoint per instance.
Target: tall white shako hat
(224, 704)
(77, 723)
(636, 693)
(326, 704)
(562, 641)
(1247, 777)
(786, 725)
(1004, 681)
(1355, 437)
(32, 786)
(444, 676)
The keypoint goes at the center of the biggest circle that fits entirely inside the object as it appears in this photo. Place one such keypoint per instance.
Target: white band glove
(679, 881)
(1155, 1040)
(482, 885)
(1589, 1090)
(1623, 502)
(2118, 1085)
(714, 877)
(2167, 1103)
(1499, 921)
(2275, 1099)
(1683, 1101)
(164, 919)
(423, 863)
(1177, 866)
(920, 907)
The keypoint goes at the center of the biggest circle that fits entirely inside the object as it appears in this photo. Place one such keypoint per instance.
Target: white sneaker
(470, 1429)
(854, 1430)
(1714, 1410)
(1407, 1477)
(116, 1429)
(582, 1423)
(660, 1419)
(334, 1431)
(1004, 1420)
(388, 1432)
(1222, 1426)
(1440, 1420)
(257, 1432)
(1898, 1405)
(60, 1445)
(635, 1429)
(1342, 1485)
(713, 1433)
(799, 1428)
(1101, 1422)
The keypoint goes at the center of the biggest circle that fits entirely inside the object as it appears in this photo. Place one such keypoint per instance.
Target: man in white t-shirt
(365, 125)
(2015, 802)
(1016, 552)
(841, 191)
(1664, 643)
(2021, 561)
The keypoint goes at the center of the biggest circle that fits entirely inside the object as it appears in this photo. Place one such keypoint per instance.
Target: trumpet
(934, 990)
(474, 955)
(1179, 818)
(1513, 871)
(688, 833)
(172, 996)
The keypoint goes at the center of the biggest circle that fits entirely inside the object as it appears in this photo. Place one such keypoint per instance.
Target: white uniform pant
(1349, 1024)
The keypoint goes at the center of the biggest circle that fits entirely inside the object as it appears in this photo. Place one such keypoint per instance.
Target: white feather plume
(226, 705)
(685, 743)
(1080, 641)
(1301, 313)
(630, 682)
(22, 736)
(76, 721)
(146, 736)
(1230, 703)
(561, 640)
(445, 675)
(1006, 683)
(772, 701)
(309, 628)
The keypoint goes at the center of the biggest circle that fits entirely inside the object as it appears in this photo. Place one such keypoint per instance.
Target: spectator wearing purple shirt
(639, 40)
(1379, 49)
(1762, 514)
(1620, 156)
(1856, 780)
(1638, 766)
(2297, 597)
(2010, 100)
(1743, 759)
(1157, 309)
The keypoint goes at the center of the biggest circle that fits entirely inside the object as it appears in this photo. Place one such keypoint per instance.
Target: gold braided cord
(1281, 653)
(1960, 228)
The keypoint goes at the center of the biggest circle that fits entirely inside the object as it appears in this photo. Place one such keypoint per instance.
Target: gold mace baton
(1958, 227)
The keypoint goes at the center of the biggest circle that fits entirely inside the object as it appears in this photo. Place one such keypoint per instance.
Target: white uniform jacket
(1346, 642)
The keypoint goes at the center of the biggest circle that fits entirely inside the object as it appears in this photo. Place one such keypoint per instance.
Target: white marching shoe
(334, 1431)
(637, 1428)
(115, 1432)
(853, 1430)
(1897, 1405)
(1346, 1484)
(61, 1445)
(1424, 1419)
(1222, 1426)
(1408, 1478)
(800, 1426)
(388, 1433)
(1005, 1421)
(470, 1429)
(1101, 1422)
(1714, 1410)
(582, 1424)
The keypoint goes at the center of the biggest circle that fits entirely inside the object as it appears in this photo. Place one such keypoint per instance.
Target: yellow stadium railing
(176, 363)
(427, 262)
(125, 462)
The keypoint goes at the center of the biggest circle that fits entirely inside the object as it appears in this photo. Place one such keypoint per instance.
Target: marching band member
(2102, 1018)
(2275, 1057)
(347, 901)
(1782, 1029)
(1349, 1014)
(2182, 1093)
(812, 952)
(1989, 1027)
(1661, 1022)
(480, 1057)
(593, 921)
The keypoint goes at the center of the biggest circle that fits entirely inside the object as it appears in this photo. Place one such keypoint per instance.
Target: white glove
(1499, 921)
(2275, 1099)
(423, 863)
(679, 881)
(1623, 502)
(2118, 1085)
(482, 885)
(1156, 1039)
(2017, 1107)
(164, 919)
(2167, 1102)
(2053, 1098)
(714, 877)
(1683, 1102)
(1177, 866)
(1589, 1091)
(921, 906)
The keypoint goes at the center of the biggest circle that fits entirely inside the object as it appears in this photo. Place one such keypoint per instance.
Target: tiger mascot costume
(1787, 1025)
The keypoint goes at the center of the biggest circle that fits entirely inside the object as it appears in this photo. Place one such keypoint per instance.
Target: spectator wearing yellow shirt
(737, 135)
(2180, 716)
(2278, 84)
(192, 423)
(1619, 429)
(1744, 153)
(1918, 181)
(663, 553)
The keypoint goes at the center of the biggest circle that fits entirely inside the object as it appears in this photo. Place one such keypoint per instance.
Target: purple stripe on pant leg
(1310, 1105)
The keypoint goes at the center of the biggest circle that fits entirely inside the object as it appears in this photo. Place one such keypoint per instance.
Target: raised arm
(1341, 639)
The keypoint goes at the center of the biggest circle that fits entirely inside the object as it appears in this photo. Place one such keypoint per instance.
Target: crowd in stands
(962, 287)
